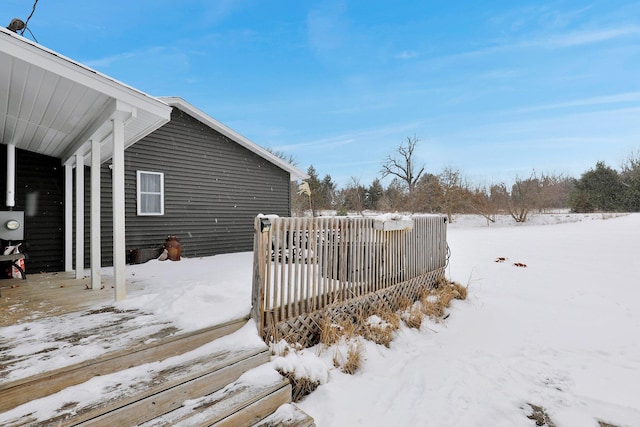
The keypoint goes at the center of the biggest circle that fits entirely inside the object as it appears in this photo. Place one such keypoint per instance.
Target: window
(150, 193)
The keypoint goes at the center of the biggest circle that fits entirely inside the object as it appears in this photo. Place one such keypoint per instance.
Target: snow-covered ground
(561, 333)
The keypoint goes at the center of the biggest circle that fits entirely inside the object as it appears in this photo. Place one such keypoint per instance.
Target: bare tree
(354, 195)
(482, 203)
(401, 165)
(555, 191)
(454, 192)
(500, 197)
(394, 198)
(525, 195)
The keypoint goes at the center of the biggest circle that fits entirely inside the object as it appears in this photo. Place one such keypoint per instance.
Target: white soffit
(52, 105)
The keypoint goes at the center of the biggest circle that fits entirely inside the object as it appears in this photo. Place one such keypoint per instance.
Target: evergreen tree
(630, 179)
(315, 188)
(328, 189)
(374, 194)
(598, 189)
(322, 192)
(428, 194)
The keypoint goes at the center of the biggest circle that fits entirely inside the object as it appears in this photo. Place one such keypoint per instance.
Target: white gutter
(11, 175)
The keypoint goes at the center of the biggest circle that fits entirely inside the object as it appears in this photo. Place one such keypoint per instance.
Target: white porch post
(96, 260)
(11, 176)
(68, 217)
(79, 215)
(119, 253)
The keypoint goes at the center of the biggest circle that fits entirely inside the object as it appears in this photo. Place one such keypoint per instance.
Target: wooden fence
(304, 265)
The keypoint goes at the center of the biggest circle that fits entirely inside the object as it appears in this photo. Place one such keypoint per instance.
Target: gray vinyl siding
(41, 178)
(213, 190)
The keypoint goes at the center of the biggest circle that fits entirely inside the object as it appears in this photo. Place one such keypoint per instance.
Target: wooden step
(258, 409)
(251, 398)
(15, 393)
(138, 394)
(287, 415)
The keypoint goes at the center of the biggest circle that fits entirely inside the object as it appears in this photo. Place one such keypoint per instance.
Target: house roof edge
(195, 112)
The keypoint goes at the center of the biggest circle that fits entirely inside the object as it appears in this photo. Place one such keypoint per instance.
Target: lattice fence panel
(305, 328)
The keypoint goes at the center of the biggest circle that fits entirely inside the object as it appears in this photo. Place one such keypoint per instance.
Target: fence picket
(307, 264)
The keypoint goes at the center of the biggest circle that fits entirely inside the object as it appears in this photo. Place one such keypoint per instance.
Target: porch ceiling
(52, 105)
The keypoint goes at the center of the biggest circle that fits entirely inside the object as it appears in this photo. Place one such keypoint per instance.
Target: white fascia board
(35, 54)
(198, 114)
(99, 129)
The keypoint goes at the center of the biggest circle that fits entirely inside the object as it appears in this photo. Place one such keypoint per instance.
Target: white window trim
(139, 193)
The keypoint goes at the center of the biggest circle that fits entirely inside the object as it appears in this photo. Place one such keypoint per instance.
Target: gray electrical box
(12, 225)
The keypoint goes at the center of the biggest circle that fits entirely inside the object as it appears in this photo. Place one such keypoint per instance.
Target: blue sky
(494, 89)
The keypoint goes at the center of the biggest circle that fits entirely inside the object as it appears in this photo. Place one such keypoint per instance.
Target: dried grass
(391, 317)
(441, 283)
(433, 309)
(445, 295)
(435, 302)
(332, 332)
(336, 327)
(352, 362)
(300, 387)
(380, 333)
(404, 303)
(354, 358)
(461, 291)
(336, 359)
(413, 317)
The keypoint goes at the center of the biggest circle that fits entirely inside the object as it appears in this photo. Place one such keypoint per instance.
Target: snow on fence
(303, 265)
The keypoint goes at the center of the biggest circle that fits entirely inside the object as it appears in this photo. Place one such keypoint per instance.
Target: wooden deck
(66, 317)
(51, 294)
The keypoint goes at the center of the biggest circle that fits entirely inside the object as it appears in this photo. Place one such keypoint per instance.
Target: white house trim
(11, 176)
(96, 256)
(79, 216)
(68, 217)
(119, 246)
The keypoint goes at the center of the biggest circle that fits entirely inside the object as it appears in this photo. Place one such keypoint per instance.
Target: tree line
(603, 188)
(413, 189)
